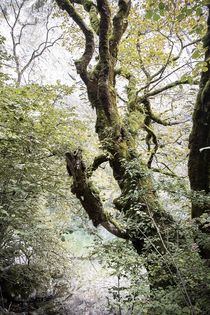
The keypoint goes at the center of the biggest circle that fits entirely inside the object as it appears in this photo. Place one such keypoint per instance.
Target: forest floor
(87, 294)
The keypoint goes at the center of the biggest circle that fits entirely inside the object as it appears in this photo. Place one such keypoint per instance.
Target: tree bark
(199, 157)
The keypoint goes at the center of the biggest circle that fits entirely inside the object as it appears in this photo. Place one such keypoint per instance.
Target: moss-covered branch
(100, 159)
(82, 63)
(138, 200)
(119, 25)
(104, 57)
(88, 195)
(91, 8)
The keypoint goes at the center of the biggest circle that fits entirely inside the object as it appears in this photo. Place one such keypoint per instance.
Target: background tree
(20, 24)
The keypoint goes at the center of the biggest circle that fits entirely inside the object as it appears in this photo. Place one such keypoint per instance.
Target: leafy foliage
(159, 54)
(34, 135)
(132, 294)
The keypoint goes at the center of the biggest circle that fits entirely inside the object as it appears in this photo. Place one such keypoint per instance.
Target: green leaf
(180, 17)
(149, 14)
(162, 12)
(161, 6)
(156, 17)
(199, 11)
(204, 69)
(196, 54)
(188, 12)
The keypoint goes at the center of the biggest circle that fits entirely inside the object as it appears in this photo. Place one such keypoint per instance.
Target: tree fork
(88, 195)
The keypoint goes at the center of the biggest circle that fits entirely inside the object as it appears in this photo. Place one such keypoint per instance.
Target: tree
(151, 229)
(199, 158)
(20, 26)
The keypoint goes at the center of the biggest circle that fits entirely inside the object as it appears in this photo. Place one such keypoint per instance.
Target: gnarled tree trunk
(148, 225)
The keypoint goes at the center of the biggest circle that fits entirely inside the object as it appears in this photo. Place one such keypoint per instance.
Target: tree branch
(163, 68)
(158, 170)
(145, 101)
(119, 25)
(100, 159)
(104, 57)
(160, 79)
(151, 135)
(91, 8)
(37, 54)
(88, 195)
(171, 85)
(138, 47)
(17, 34)
(83, 62)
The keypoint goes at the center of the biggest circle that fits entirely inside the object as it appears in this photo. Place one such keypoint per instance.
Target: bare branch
(16, 38)
(5, 16)
(169, 74)
(158, 170)
(158, 76)
(158, 80)
(13, 7)
(17, 14)
(121, 98)
(21, 33)
(138, 47)
(171, 85)
(168, 168)
(37, 54)
(196, 41)
(163, 68)
(169, 59)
